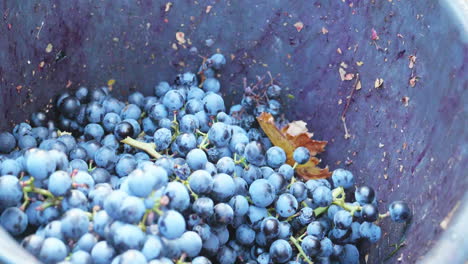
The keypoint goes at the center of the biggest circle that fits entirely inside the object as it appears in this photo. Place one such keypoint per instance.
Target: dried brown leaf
(289, 138)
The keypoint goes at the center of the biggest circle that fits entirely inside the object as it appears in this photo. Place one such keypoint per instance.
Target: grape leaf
(290, 137)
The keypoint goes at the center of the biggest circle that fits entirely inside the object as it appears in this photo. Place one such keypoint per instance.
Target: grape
(10, 191)
(171, 224)
(219, 134)
(275, 157)
(27, 142)
(158, 112)
(201, 260)
(245, 235)
(112, 105)
(33, 244)
(285, 230)
(113, 203)
(286, 205)
(306, 216)
(239, 204)
(93, 131)
(201, 182)
(342, 219)
(256, 215)
(262, 192)
(196, 159)
(75, 223)
(204, 207)
(130, 111)
(226, 255)
(364, 195)
(127, 237)
(102, 253)
(161, 89)
(86, 242)
(123, 129)
(162, 138)
(125, 164)
(101, 221)
(94, 112)
(270, 227)
(38, 164)
(350, 254)
(10, 167)
(277, 181)
(316, 229)
(343, 178)
(213, 104)
(223, 214)
(81, 257)
(217, 61)
(301, 155)
(59, 183)
(322, 196)
(223, 187)
(178, 195)
(14, 220)
(173, 100)
(211, 245)
(369, 213)
(280, 251)
(132, 209)
(399, 211)
(311, 245)
(211, 85)
(53, 250)
(190, 243)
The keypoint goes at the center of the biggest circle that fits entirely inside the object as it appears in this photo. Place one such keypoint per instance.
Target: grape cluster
(175, 178)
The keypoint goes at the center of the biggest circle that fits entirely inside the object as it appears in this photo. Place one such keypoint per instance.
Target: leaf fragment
(299, 26)
(290, 137)
(378, 83)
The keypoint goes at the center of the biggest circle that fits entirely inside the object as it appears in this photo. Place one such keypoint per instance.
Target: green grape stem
(149, 148)
(299, 248)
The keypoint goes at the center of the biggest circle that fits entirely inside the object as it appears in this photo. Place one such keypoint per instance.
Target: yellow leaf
(110, 82)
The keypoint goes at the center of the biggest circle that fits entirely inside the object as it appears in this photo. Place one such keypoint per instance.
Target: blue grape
(101, 221)
(201, 182)
(171, 224)
(251, 173)
(125, 165)
(225, 165)
(364, 195)
(285, 230)
(7, 142)
(196, 159)
(262, 192)
(204, 207)
(173, 100)
(33, 244)
(194, 106)
(39, 164)
(132, 209)
(190, 243)
(211, 245)
(223, 214)
(162, 138)
(286, 205)
(14, 220)
(342, 219)
(223, 187)
(280, 251)
(226, 255)
(131, 111)
(93, 131)
(213, 104)
(110, 121)
(322, 196)
(299, 191)
(128, 237)
(178, 196)
(311, 245)
(113, 203)
(350, 254)
(256, 215)
(316, 229)
(301, 155)
(287, 171)
(270, 227)
(102, 253)
(59, 183)
(217, 61)
(254, 153)
(78, 164)
(86, 242)
(239, 204)
(277, 181)
(152, 247)
(306, 216)
(245, 235)
(399, 211)
(343, 178)
(94, 112)
(161, 89)
(75, 223)
(211, 85)
(80, 257)
(27, 142)
(275, 157)
(46, 215)
(219, 134)
(10, 167)
(53, 250)
(10, 191)
(274, 91)
(78, 153)
(200, 260)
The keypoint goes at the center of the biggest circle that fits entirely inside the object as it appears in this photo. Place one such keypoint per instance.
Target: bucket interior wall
(407, 142)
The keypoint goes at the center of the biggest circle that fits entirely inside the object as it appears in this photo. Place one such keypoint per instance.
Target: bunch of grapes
(175, 178)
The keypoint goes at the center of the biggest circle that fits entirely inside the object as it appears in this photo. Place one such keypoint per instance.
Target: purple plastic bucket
(407, 138)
